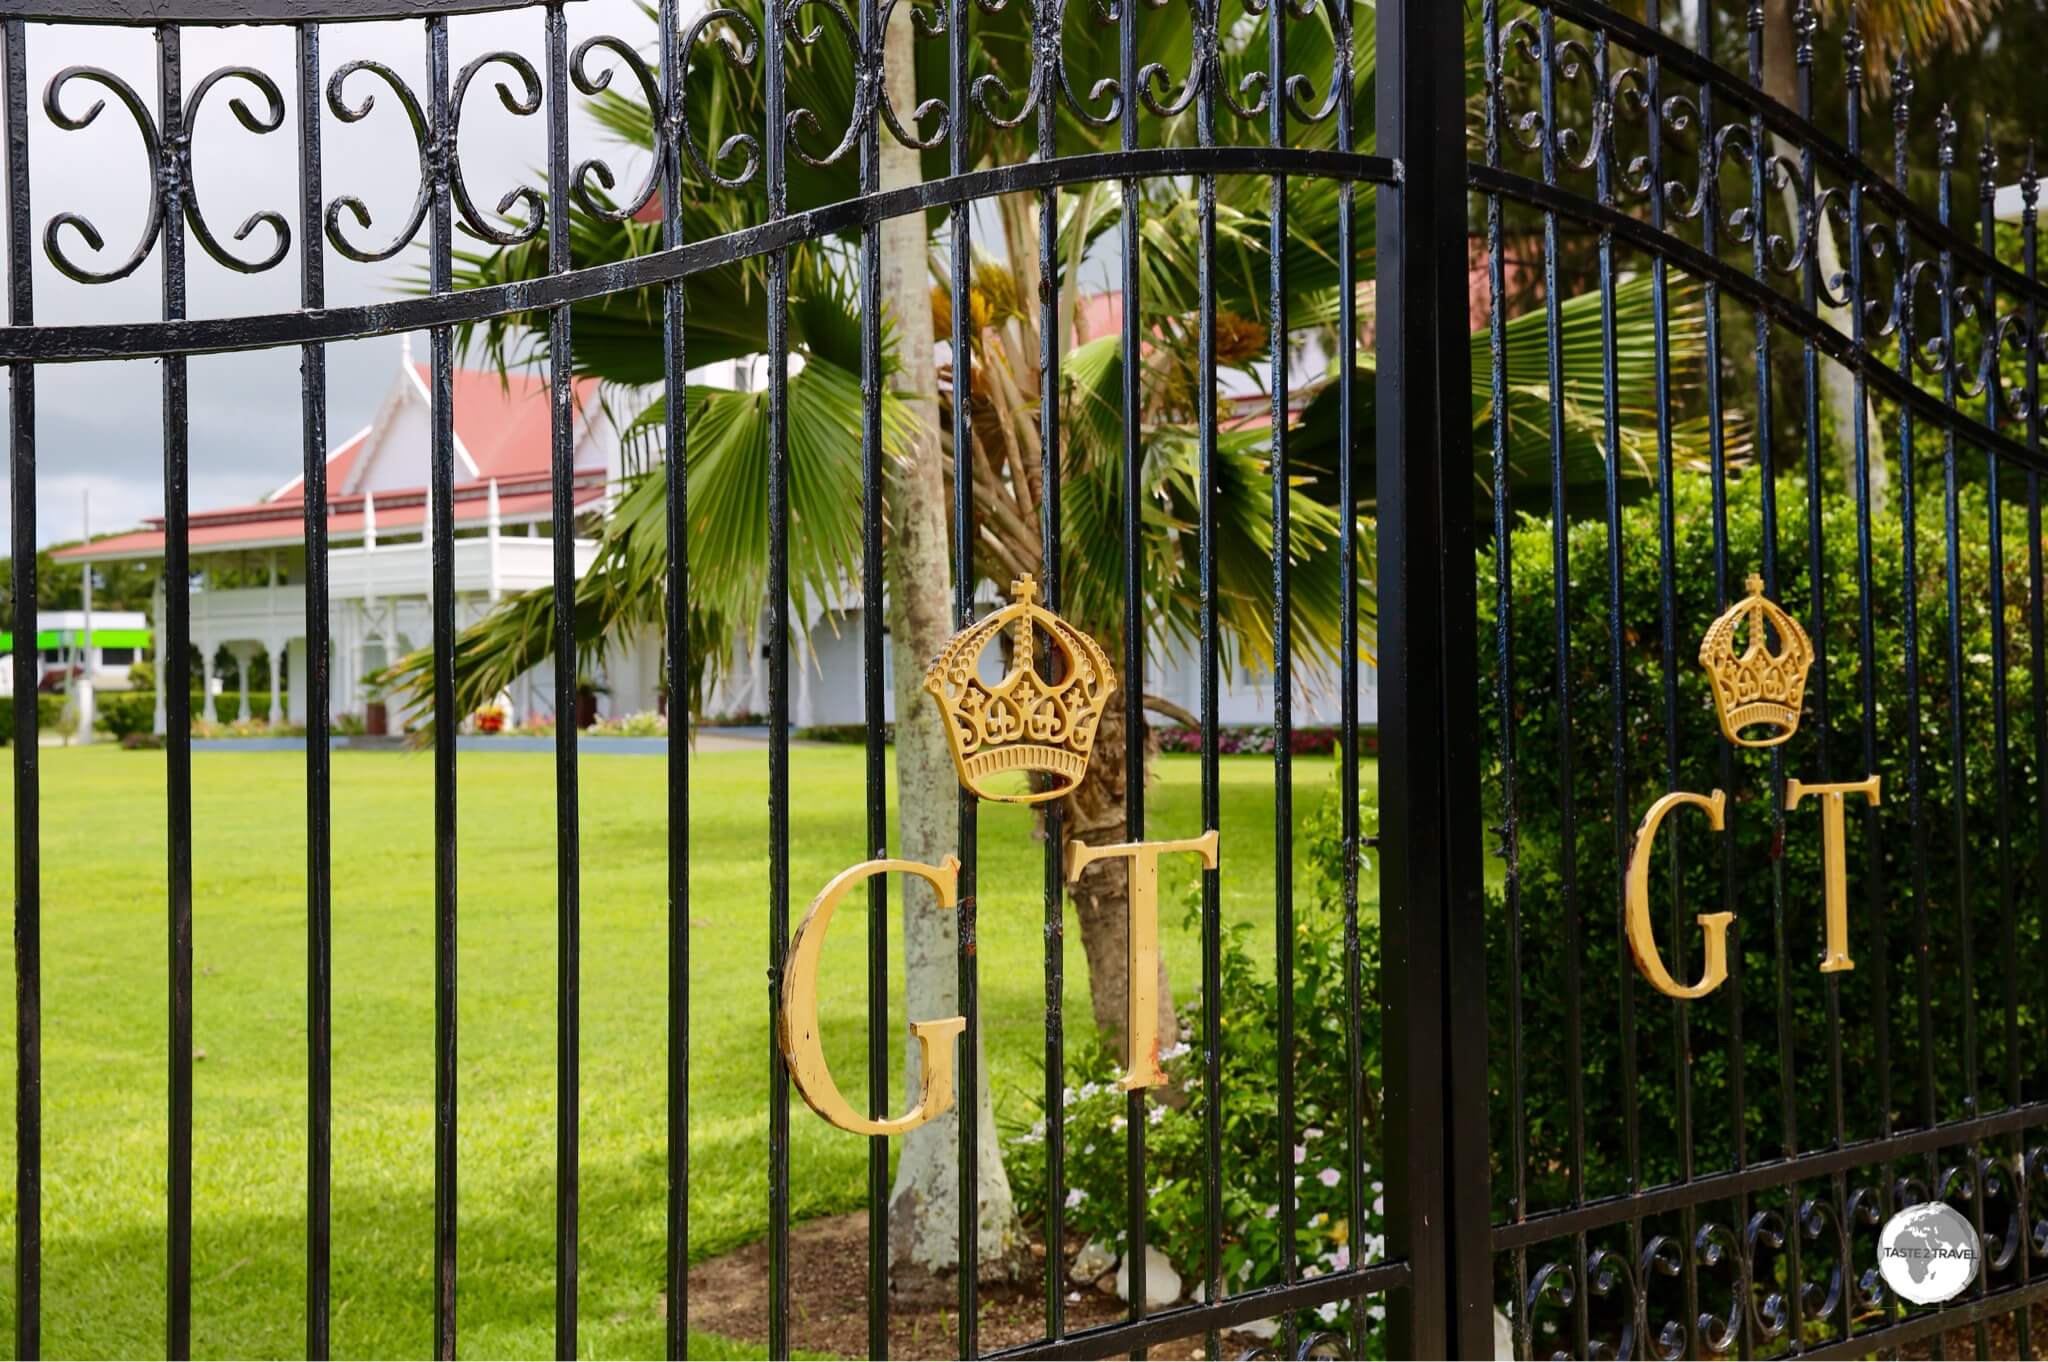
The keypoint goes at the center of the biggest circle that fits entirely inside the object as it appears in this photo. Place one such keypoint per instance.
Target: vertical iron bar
(1509, 827)
(773, 167)
(1560, 566)
(958, 63)
(1347, 666)
(441, 534)
(2037, 618)
(319, 868)
(1667, 592)
(568, 877)
(1135, 1198)
(1051, 345)
(1209, 17)
(1866, 663)
(1759, 241)
(675, 444)
(1945, 128)
(1710, 164)
(28, 894)
(1283, 678)
(1994, 404)
(1909, 535)
(178, 764)
(1617, 682)
(873, 681)
(1804, 23)
(1432, 908)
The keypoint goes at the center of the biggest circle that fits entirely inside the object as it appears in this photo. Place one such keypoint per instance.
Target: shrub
(1260, 739)
(1772, 881)
(1094, 1113)
(843, 733)
(125, 712)
(648, 725)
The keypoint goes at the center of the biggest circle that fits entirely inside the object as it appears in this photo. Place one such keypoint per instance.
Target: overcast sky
(100, 425)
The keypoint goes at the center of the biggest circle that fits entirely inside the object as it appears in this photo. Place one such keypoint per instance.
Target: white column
(277, 675)
(206, 651)
(494, 525)
(244, 655)
(159, 724)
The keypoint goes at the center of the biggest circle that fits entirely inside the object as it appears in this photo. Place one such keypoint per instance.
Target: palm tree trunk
(1095, 814)
(924, 1206)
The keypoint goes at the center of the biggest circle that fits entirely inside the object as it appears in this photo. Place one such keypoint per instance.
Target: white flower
(1317, 1219)
(1300, 1153)
(1313, 1133)
(1087, 1151)
(1155, 1116)
(1075, 1196)
(1272, 1211)
(1116, 1123)
(1067, 1097)
(1341, 1259)
(1379, 1204)
(1174, 1051)
(1328, 1312)
(1244, 1269)
(1329, 1177)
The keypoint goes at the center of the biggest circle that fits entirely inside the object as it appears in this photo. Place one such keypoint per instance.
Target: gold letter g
(803, 1049)
(1642, 942)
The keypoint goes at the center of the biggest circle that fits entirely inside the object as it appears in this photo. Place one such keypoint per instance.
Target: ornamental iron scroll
(174, 196)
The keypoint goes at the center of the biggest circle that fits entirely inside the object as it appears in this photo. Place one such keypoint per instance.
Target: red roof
(278, 523)
(501, 423)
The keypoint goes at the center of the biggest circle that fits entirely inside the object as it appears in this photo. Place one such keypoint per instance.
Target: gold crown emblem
(1022, 722)
(1759, 686)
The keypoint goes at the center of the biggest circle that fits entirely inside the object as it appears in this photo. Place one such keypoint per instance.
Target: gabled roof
(503, 434)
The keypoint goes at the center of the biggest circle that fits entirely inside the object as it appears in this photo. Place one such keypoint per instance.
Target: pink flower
(1329, 1177)
(1300, 1152)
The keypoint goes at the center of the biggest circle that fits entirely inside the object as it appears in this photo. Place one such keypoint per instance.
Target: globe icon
(1928, 1253)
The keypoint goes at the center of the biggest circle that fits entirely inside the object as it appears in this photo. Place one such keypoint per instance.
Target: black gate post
(1431, 873)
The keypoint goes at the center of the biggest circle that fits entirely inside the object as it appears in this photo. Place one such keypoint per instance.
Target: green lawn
(105, 1002)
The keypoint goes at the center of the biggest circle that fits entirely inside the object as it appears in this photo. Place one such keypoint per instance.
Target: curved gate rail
(1420, 380)
(1696, 1209)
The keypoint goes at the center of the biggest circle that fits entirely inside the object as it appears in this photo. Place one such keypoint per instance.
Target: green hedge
(1773, 886)
(126, 712)
(229, 705)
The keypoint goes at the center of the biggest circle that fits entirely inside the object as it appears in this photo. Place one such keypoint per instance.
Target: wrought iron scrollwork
(523, 105)
(929, 22)
(430, 153)
(741, 44)
(174, 195)
(595, 170)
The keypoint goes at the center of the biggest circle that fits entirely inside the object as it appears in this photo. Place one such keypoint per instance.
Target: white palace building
(248, 568)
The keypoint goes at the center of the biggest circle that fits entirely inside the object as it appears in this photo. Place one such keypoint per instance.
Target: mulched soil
(828, 1312)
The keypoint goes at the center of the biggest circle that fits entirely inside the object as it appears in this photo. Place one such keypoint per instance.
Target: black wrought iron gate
(1777, 362)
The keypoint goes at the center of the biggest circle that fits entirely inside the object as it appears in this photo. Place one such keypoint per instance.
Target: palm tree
(618, 339)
